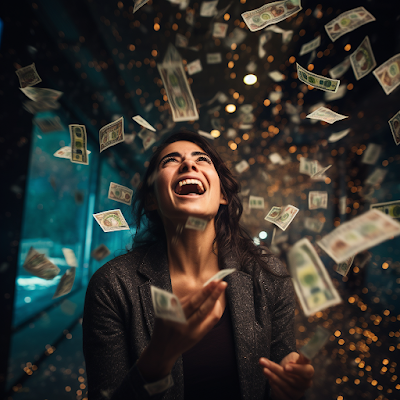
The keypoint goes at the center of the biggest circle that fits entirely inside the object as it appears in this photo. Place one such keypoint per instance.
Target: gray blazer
(119, 319)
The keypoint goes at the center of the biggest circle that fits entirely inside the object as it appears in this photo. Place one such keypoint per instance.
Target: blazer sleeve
(111, 373)
(283, 339)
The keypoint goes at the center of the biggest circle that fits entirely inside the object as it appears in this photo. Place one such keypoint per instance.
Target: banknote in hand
(220, 275)
(166, 305)
(311, 281)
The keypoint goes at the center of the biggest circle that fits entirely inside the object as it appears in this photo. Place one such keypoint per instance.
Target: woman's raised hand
(171, 339)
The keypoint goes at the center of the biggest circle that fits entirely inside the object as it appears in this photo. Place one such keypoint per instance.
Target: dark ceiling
(104, 58)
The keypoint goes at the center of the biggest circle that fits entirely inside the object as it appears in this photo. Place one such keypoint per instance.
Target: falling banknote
(310, 46)
(316, 343)
(180, 96)
(313, 224)
(282, 216)
(111, 221)
(317, 200)
(394, 124)
(361, 233)
(198, 224)
(70, 257)
(111, 134)
(65, 152)
(79, 153)
(312, 283)
(220, 275)
(363, 60)
(343, 268)
(166, 305)
(39, 265)
(391, 208)
(326, 115)
(41, 94)
(100, 252)
(340, 69)
(120, 193)
(317, 81)
(388, 74)
(256, 202)
(270, 13)
(66, 283)
(28, 76)
(141, 121)
(347, 22)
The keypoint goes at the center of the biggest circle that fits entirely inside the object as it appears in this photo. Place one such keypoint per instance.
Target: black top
(209, 367)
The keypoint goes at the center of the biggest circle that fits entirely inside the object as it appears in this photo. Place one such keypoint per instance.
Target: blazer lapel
(241, 303)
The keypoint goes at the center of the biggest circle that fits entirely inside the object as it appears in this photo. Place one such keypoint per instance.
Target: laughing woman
(238, 341)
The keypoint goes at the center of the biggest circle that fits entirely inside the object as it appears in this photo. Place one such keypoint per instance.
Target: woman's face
(186, 183)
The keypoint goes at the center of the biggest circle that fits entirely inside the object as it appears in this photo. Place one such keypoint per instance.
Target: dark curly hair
(230, 239)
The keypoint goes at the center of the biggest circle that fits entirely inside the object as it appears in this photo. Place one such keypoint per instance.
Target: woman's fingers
(277, 382)
(305, 371)
(191, 305)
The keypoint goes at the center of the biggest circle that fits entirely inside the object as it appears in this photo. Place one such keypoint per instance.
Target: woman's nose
(187, 165)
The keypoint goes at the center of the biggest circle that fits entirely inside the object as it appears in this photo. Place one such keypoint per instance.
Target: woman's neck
(190, 252)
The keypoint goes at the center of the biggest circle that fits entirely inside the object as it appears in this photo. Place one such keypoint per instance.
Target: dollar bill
(190, 17)
(317, 81)
(256, 202)
(148, 139)
(391, 208)
(172, 55)
(214, 58)
(338, 135)
(361, 233)
(316, 343)
(138, 4)
(220, 29)
(320, 171)
(70, 257)
(340, 69)
(111, 134)
(363, 60)
(262, 39)
(317, 200)
(205, 134)
(79, 153)
(235, 37)
(394, 124)
(194, 67)
(39, 265)
(371, 154)
(120, 193)
(198, 224)
(65, 284)
(276, 76)
(388, 74)
(242, 166)
(310, 46)
(141, 121)
(166, 305)
(181, 40)
(37, 94)
(208, 8)
(331, 96)
(343, 268)
(100, 252)
(311, 281)
(49, 124)
(180, 96)
(327, 115)
(307, 167)
(270, 13)
(35, 107)
(347, 22)
(376, 177)
(313, 224)
(342, 205)
(111, 221)
(282, 216)
(28, 76)
(220, 275)
(65, 152)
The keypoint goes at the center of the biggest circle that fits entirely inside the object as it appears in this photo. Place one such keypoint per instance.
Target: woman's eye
(203, 158)
(168, 160)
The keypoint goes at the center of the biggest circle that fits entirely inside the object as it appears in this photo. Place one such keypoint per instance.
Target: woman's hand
(171, 339)
(291, 378)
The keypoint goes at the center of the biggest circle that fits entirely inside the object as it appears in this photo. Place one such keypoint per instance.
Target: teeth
(192, 182)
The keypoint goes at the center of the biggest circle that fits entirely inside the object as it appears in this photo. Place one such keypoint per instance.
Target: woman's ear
(151, 202)
(223, 200)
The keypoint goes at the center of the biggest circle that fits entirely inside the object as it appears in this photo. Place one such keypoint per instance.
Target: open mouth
(189, 187)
